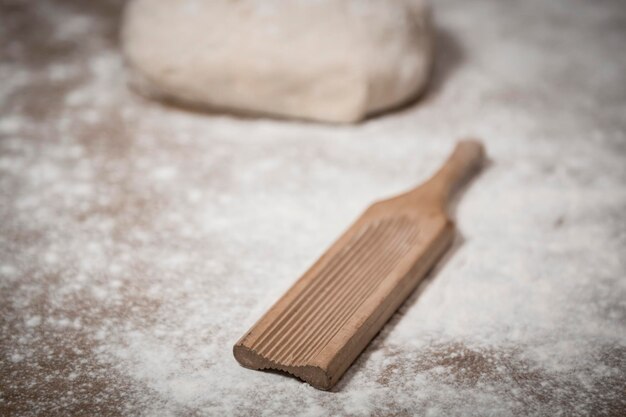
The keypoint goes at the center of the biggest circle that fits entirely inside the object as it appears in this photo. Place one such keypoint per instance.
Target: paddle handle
(466, 160)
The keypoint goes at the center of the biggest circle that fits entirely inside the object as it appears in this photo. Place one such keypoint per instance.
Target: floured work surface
(137, 242)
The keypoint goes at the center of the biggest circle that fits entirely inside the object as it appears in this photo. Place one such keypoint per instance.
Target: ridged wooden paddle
(317, 329)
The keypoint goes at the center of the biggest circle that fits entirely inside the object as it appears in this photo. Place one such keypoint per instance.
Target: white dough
(325, 60)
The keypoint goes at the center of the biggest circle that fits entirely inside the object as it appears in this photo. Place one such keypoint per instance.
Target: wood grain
(317, 329)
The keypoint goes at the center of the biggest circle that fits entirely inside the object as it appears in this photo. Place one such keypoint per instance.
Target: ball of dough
(324, 60)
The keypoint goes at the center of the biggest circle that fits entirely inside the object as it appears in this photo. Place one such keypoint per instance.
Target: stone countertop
(139, 241)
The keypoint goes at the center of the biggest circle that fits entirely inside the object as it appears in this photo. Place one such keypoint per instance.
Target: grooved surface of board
(330, 299)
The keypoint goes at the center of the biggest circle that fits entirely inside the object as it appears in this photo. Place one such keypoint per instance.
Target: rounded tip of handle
(473, 150)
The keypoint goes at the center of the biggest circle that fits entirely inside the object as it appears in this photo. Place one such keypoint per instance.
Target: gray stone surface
(138, 241)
